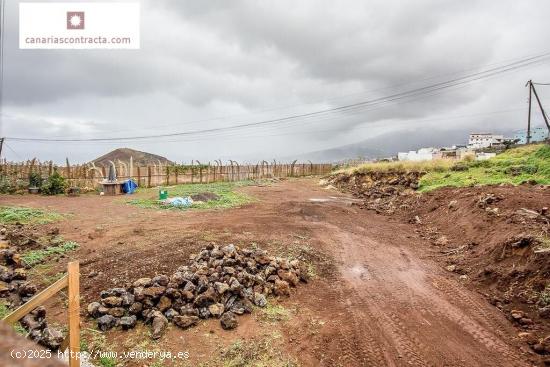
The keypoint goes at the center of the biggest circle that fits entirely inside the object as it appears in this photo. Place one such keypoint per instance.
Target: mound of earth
(205, 196)
(384, 192)
(494, 238)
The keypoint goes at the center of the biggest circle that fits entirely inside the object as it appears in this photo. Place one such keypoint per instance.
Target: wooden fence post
(148, 176)
(72, 281)
(74, 313)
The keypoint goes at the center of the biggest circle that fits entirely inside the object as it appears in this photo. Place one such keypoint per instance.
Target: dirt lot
(379, 297)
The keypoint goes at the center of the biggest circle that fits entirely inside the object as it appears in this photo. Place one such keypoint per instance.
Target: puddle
(336, 199)
(357, 272)
(320, 200)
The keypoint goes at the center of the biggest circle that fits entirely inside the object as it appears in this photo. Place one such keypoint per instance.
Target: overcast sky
(207, 64)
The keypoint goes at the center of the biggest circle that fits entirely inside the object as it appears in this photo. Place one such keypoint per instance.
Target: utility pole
(529, 84)
(1, 145)
(540, 106)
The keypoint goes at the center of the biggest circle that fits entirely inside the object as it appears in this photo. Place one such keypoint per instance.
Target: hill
(389, 144)
(124, 154)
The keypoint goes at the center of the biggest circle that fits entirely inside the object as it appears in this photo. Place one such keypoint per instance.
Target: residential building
(484, 140)
(537, 134)
(423, 154)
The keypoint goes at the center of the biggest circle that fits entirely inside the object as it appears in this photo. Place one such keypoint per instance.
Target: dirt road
(378, 300)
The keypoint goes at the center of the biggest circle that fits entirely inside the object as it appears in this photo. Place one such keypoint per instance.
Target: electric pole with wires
(532, 90)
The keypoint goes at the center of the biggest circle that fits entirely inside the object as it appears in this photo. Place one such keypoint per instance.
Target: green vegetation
(228, 197)
(4, 311)
(13, 214)
(439, 165)
(54, 185)
(107, 361)
(35, 179)
(273, 313)
(515, 166)
(266, 351)
(32, 258)
(12, 186)
(544, 297)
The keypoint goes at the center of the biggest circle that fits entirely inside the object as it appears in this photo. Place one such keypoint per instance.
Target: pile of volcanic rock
(220, 282)
(36, 325)
(15, 290)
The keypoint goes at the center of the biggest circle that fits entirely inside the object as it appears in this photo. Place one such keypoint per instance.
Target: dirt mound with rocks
(382, 191)
(219, 282)
(495, 239)
(15, 289)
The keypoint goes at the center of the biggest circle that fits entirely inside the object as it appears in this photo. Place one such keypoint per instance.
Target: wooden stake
(36, 301)
(74, 313)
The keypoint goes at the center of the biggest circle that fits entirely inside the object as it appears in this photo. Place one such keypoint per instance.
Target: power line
(14, 152)
(325, 100)
(436, 87)
(240, 135)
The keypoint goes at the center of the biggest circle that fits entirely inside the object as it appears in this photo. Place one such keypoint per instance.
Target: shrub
(7, 186)
(54, 185)
(35, 179)
(519, 169)
(460, 166)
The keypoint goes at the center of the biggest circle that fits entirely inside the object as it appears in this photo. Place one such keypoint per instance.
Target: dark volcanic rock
(229, 321)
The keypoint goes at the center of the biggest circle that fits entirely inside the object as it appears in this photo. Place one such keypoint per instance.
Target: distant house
(428, 154)
(423, 154)
(537, 134)
(484, 140)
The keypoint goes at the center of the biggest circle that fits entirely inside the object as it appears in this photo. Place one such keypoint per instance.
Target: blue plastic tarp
(129, 187)
(179, 201)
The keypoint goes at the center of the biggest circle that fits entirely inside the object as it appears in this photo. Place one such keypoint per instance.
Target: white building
(484, 140)
(423, 154)
(485, 156)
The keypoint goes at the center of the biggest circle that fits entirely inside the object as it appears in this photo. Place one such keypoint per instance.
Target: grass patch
(34, 257)
(107, 361)
(439, 165)
(4, 311)
(544, 243)
(266, 351)
(228, 196)
(273, 313)
(544, 297)
(14, 214)
(515, 166)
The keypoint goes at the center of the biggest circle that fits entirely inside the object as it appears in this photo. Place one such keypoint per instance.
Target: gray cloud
(218, 63)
